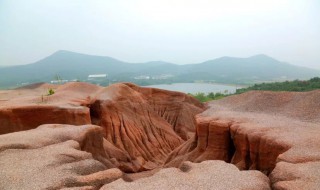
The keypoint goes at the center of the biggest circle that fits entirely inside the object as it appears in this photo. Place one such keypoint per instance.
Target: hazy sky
(178, 31)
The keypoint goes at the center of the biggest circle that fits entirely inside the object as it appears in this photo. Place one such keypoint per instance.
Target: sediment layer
(126, 128)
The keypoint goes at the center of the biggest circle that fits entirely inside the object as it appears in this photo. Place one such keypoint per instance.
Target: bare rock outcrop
(276, 133)
(206, 175)
(133, 127)
(246, 145)
(28, 107)
(176, 108)
(54, 157)
(139, 129)
(212, 141)
(141, 125)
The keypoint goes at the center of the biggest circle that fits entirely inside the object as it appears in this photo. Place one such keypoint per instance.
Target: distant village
(103, 79)
(157, 77)
(93, 78)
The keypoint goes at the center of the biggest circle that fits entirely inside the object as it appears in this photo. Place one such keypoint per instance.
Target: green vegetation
(296, 86)
(50, 92)
(202, 97)
(46, 98)
(67, 66)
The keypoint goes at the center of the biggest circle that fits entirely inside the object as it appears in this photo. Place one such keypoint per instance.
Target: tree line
(294, 86)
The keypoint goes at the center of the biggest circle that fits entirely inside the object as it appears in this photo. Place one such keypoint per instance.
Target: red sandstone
(143, 129)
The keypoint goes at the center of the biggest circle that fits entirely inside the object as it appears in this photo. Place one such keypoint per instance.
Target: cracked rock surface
(89, 137)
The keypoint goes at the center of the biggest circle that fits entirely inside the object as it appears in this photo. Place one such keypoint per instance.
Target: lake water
(196, 87)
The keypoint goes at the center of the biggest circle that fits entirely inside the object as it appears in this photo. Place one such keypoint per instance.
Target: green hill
(253, 69)
(296, 85)
(70, 65)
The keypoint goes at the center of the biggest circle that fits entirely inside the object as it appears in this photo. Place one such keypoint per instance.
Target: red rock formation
(211, 142)
(30, 116)
(146, 133)
(240, 144)
(54, 157)
(276, 133)
(273, 139)
(176, 108)
(28, 107)
(140, 124)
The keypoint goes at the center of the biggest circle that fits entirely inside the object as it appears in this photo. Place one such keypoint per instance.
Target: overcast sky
(178, 31)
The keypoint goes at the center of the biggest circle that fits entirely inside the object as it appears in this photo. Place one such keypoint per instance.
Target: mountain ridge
(72, 65)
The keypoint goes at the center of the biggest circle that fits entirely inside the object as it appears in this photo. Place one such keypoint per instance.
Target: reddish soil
(144, 129)
(273, 132)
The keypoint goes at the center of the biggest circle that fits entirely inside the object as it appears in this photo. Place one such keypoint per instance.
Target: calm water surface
(197, 87)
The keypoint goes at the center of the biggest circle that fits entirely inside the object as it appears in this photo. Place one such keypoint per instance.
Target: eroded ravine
(267, 139)
(231, 142)
(143, 129)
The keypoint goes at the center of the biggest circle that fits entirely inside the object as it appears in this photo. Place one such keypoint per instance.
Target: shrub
(202, 97)
(50, 91)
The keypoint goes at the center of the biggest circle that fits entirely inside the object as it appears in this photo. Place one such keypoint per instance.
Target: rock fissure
(144, 129)
(218, 140)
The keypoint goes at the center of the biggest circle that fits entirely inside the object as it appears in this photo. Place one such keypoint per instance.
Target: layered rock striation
(276, 133)
(141, 125)
(102, 132)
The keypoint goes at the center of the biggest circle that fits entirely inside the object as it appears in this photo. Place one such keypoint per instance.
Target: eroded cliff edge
(276, 133)
(141, 126)
(143, 129)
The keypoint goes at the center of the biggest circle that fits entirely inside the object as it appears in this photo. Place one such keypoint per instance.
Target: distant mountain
(252, 69)
(70, 65)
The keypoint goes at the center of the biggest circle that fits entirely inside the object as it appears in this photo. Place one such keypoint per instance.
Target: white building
(97, 77)
(142, 77)
(58, 81)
